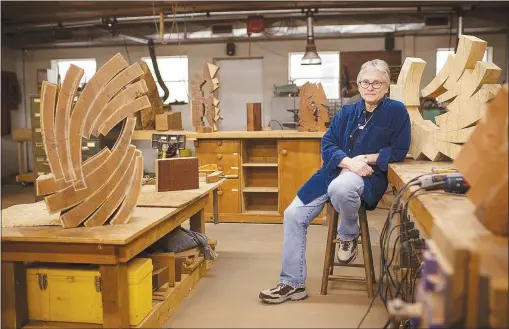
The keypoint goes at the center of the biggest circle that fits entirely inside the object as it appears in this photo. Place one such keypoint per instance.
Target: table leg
(14, 295)
(215, 206)
(197, 222)
(115, 295)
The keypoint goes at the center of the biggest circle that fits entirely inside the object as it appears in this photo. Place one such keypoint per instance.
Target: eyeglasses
(365, 84)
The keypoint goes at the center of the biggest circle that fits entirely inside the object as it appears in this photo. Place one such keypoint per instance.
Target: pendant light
(310, 56)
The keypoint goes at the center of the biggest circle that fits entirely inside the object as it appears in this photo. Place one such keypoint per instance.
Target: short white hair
(379, 65)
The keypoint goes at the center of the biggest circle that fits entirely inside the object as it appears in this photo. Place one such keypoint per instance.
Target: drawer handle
(219, 156)
(284, 152)
(219, 143)
(219, 192)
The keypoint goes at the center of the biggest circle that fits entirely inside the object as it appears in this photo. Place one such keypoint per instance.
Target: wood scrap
(193, 252)
(254, 116)
(213, 177)
(178, 269)
(159, 277)
(165, 259)
(105, 187)
(189, 268)
(169, 121)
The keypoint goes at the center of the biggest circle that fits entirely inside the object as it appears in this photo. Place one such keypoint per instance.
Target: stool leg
(335, 220)
(327, 262)
(366, 251)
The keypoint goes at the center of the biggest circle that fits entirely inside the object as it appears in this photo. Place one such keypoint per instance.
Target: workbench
(265, 169)
(476, 258)
(109, 247)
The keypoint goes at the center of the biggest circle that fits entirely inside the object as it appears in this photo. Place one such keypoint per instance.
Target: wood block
(25, 134)
(178, 269)
(169, 121)
(193, 252)
(177, 174)
(254, 116)
(159, 277)
(204, 129)
(196, 261)
(213, 177)
(165, 259)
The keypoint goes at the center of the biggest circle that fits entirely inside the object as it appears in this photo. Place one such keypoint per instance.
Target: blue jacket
(387, 133)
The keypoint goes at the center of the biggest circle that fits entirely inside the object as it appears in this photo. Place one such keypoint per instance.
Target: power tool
(449, 182)
(168, 146)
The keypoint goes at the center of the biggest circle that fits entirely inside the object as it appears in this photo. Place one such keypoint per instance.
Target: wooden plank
(165, 309)
(47, 184)
(125, 170)
(14, 295)
(115, 296)
(55, 253)
(254, 116)
(176, 174)
(114, 200)
(213, 177)
(123, 112)
(169, 121)
(257, 189)
(62, 117)
(47, 110)
(59, 325)
(69, 197)
(190, 135)
(113, 87)
(196, 261)
(173, 199)
(313, 113)
(126, 96)
(193, 252)
(105, 73)
(126, 210)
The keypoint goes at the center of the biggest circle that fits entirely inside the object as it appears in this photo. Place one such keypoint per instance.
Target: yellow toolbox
(74, 294)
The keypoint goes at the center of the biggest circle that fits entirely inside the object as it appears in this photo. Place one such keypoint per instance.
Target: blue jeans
(344, 193)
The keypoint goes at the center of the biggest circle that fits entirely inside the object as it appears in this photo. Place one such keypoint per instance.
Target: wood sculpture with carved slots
(313, 108)
(205, 106)
(105, 188)
(465, 84)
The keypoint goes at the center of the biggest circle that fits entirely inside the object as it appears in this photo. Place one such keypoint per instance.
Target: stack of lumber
(104, 188)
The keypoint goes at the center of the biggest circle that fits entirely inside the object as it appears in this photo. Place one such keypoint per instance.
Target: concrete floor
(250, 261)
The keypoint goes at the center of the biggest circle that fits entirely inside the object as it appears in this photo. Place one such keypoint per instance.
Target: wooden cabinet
(298, 161)
(270, 170)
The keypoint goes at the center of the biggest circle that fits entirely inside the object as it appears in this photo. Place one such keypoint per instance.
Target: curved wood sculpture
(202, 106)
(465, 83)
(107, 185)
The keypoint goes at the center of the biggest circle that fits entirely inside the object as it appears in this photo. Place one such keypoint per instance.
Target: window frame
(54, 67)
(488, 52)
(301, 54)
(171, 100)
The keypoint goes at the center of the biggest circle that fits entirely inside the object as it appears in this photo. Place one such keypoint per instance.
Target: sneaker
(282, 293)
(347, 251)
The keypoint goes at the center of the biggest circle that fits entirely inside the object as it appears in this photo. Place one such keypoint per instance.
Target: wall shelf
(255, 164)
(260, 189)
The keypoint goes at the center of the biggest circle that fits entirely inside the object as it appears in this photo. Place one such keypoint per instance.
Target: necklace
(366, 121)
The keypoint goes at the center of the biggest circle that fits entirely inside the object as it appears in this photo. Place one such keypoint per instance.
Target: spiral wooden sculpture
(465, 82)
(202, 106)
(105, 188)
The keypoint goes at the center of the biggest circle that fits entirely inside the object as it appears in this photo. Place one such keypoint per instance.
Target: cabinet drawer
(228, 163)
(228, 197)
(218, 146)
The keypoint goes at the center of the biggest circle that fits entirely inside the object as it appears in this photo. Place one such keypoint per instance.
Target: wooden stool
(329, 263)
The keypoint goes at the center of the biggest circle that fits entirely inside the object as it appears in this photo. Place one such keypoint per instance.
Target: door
(298, 160)
(240, 82)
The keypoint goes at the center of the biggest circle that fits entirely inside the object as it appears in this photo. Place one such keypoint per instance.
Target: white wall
(275, 64)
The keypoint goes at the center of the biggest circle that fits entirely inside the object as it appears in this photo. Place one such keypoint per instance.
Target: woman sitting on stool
(362, 140)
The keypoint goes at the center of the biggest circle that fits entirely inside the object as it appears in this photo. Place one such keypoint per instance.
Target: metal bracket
(98, 283)
(42, 279)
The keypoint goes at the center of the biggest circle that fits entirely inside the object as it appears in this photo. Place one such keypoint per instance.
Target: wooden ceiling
(39, 12)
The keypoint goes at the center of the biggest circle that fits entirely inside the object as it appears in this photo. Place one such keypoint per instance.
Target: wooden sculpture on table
(483, 160)
(202, 106)
(465, 82)
(313, 108)
(105, 188)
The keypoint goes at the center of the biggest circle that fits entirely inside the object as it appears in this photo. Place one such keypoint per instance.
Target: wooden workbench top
(471, 250)
(143, 219)
(191, 135)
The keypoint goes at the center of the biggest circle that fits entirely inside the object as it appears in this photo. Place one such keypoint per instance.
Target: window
(443, 54)
(61, 66)
(174, 73)
(327, 73)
